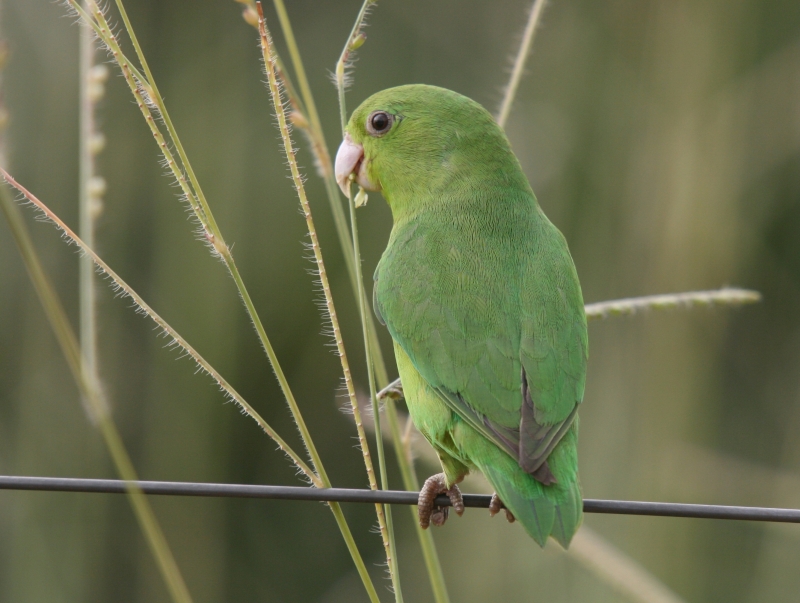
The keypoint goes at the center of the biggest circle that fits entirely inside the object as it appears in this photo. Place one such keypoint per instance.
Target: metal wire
(396, 497)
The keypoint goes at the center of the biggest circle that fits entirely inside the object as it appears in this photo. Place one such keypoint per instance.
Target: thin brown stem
(175, 337)
(269, 62)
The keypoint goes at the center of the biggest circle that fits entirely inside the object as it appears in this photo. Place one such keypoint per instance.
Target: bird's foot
(429, 512)
(393, 391)
(495, 505)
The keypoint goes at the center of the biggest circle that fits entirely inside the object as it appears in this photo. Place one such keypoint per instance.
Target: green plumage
(481, 297)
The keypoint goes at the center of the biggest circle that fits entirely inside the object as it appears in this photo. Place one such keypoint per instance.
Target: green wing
(490, 312)
(553, 350)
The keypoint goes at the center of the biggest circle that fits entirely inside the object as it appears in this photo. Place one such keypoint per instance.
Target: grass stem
(175, 338)
(373, 393)
(727, 296)
(319, 147)
(88, 197)
(269, 63)
(139, 89)
(402, 444)
(375, 360)
(354, 41)
(146, 93)
(519, 62)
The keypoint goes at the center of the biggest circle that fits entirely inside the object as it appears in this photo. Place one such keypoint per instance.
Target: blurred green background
(661, 136)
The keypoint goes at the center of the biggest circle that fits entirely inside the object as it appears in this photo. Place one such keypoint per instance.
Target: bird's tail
(555, 510)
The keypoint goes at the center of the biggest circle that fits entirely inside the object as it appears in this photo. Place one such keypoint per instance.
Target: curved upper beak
(348, 160)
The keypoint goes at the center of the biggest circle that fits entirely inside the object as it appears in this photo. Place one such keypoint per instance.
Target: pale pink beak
(350, 161)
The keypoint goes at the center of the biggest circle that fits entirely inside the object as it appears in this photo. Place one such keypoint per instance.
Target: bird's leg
(393, 391)
(429, 512)
(496, 504)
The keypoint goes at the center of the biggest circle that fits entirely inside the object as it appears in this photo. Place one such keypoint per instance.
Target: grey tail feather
(544, 475)
(541, 517)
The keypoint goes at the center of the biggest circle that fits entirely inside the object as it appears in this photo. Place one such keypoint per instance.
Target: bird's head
(416, 143)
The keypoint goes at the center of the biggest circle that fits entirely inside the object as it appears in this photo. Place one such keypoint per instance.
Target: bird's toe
(429, 511)
(495, 505)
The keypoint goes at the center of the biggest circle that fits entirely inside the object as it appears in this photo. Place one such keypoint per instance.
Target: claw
(437, 518)
(495, 505)
(393, 391)
(429, 512)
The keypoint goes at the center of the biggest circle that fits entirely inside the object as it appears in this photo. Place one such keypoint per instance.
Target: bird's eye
(379, 122)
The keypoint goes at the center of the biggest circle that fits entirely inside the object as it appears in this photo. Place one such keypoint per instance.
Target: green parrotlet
(481, 297)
